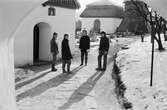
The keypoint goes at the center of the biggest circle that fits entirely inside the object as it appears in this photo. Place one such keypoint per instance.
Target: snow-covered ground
(135, 66)
(85, 89)
(27, 71)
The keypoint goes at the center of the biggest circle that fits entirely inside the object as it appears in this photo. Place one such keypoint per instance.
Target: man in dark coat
(103, 51)
(84, 46)
(54, 51)
(66, 54)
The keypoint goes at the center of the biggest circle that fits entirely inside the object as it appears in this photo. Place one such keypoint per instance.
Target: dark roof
(133, 21)
(71, 4)
(133, 25)
(102, 9)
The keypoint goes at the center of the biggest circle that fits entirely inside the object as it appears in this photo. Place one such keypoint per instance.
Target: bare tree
(155, 21)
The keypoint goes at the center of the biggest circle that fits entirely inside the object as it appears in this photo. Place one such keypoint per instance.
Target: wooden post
(152, 59)
(152, 41)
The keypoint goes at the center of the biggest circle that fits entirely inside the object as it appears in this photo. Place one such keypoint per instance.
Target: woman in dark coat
(66, 54)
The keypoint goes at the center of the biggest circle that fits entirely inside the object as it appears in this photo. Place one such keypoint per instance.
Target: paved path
(85, 89)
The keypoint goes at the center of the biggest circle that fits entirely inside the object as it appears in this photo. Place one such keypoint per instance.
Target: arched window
(97, 25)
(79, 25)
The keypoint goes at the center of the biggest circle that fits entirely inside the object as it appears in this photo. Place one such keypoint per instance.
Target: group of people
(65, 52)
(84, 46)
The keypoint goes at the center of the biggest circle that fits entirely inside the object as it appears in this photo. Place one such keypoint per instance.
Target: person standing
(66, 54)
(84, 46)
(142, 37)
(54, 51)
(103, 51)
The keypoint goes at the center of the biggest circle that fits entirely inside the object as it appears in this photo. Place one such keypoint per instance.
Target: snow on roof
(104, 9)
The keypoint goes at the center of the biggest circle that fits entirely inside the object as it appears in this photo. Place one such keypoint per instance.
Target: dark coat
(84, 43)
(65, 50)
(104, 44)
(53, 46)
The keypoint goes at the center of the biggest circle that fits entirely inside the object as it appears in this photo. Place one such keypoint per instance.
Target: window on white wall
(97, 25)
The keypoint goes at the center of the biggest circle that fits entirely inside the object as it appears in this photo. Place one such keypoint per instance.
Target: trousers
(54, 58)
(84, 55)
(68, 63)
(104, 55)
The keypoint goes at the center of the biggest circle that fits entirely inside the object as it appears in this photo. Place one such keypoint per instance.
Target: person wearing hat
(54, 51)
(103, 52)
(84, 46)
(66, 54)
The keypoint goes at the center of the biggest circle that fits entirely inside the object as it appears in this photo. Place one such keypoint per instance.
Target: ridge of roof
(103, 11)
(71, 4)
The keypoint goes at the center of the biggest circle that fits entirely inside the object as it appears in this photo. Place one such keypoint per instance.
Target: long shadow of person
(18, 86)
(82, 91)
(54, 82)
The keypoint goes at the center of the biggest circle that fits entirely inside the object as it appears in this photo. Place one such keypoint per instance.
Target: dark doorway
(41, 42)
(36, 44)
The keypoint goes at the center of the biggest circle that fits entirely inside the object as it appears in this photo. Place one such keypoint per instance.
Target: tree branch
(141, 11)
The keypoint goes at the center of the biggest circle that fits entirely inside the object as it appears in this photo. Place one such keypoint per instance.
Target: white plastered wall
(44, 44)
(12, 14)
(108, 25)
(63, 22)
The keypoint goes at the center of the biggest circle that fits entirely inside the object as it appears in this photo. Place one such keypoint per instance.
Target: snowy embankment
(135, 65)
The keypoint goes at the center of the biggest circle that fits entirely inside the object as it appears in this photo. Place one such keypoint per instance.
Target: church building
(32, 39)
(103, 13)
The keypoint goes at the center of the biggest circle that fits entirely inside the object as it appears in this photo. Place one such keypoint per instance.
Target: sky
(85, 2)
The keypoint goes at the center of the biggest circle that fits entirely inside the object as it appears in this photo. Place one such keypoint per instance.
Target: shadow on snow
(54, 82)
(82, 91)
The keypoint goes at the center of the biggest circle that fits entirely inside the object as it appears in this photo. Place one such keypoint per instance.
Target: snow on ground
(135, 66)
(86, 89)
(28, 71)
(22, 74)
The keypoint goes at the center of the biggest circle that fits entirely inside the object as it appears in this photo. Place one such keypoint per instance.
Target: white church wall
(7, 87)
(108, 25)
(44, 44)
(63, 22)
(12, 13)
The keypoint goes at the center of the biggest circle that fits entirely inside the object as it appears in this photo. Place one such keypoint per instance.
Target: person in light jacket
(54, 51)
